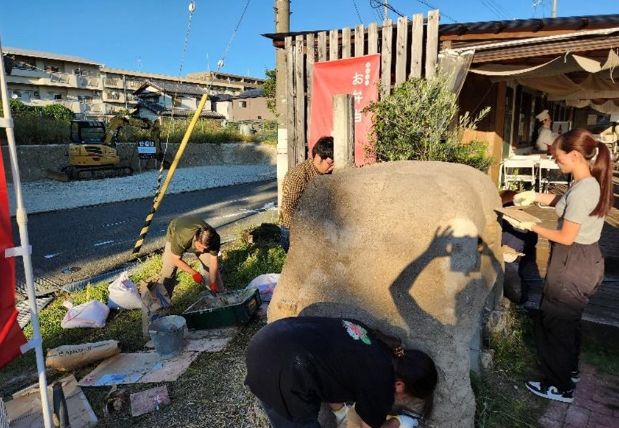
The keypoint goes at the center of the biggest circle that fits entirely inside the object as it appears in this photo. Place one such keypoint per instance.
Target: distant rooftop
(172, 88)
(48, 55)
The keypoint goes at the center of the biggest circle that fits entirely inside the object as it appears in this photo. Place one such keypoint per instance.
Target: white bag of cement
(90, 314)
(265, 284)
(124, 293)
(69, 357)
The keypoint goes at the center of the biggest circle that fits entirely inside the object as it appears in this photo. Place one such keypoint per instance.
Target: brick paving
(596, 403)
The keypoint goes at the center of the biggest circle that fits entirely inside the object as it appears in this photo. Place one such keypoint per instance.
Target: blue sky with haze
(148, 35)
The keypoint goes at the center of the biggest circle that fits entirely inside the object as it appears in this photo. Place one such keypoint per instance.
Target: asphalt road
(76, 244)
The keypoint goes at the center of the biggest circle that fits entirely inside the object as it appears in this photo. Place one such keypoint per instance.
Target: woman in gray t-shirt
(576, 266)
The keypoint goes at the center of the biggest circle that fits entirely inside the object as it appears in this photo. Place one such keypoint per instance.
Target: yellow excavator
(93, 153)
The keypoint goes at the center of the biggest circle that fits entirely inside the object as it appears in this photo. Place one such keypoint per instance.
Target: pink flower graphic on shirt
(357, 332)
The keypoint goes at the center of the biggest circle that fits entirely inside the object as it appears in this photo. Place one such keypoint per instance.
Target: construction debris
(69, 357)
(149, 400)
(24, 410)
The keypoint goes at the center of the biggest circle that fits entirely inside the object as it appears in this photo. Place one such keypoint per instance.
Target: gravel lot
(49, 195)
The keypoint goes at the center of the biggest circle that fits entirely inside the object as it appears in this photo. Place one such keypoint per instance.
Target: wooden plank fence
(403, 46)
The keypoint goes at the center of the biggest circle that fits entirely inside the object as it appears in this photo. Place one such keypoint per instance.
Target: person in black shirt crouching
(295, 364)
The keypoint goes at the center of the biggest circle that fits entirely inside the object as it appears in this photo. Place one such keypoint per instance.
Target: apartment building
(93, 91)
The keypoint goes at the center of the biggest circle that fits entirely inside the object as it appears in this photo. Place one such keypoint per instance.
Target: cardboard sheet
(213, 340)
(518, 214)
(24, 410)
(142, 367)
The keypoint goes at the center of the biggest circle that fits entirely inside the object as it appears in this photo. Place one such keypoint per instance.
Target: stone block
(412, 248)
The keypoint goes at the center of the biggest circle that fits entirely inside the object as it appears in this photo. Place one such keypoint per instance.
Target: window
(52, 68)
(57, 96)
(259, 117)
(243, 104)
(36, 95)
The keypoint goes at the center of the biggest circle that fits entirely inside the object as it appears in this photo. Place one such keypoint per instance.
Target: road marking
(114, 224)
(51, 256)
(98, 244)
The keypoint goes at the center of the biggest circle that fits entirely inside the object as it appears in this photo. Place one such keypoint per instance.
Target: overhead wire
(377, 4)
(354, 2)
(504, 11)
(428, 5)
(491, 8)
(220, 65)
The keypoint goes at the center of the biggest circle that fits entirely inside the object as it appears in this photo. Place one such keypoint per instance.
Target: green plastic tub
(232, 308)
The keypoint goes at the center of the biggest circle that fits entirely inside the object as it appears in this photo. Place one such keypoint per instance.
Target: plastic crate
(224, 316)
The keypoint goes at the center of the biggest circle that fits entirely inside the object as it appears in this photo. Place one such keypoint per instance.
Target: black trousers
(574, 274)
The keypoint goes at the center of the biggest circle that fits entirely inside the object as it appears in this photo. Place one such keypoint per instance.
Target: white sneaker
(549, 391)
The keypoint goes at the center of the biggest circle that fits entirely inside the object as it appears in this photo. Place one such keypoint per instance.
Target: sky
(149, 35)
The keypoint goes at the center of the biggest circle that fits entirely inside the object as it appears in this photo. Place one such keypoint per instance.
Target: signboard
(11, 335)
(147, 149)
(355, 76)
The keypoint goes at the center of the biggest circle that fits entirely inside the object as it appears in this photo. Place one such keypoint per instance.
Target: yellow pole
(159, 196)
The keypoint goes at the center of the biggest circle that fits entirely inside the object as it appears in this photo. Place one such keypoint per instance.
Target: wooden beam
(343, 132)
(417, 46)
(359, 40)
(334, 45)
(310, 55)
(386, 54)
(299, 70)
(557, 48)
(432, 43)
(401, 57)
(322, 46)
(372, 38)
(290, 94)
(486, 37)
(346, 44)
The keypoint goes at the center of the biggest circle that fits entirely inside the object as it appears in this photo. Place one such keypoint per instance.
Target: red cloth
(11, 335)
(355, 76)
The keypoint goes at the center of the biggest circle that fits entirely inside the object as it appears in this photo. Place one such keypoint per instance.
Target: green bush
(41, 125)
(205, 132)
(417, 121)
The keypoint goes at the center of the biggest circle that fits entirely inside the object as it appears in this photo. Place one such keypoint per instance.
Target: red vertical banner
(11, 335)
(355, 76)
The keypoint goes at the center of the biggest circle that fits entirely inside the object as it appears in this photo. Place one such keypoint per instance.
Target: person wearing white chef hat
(546, 137)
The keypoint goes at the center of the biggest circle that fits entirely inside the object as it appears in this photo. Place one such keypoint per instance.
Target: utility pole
(385, 10)
(554, 8)
(282, 25)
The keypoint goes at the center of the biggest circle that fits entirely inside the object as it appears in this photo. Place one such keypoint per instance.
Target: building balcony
(113, 82)
(30, 73)
(89, 82)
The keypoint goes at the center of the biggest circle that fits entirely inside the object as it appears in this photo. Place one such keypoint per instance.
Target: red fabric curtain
(355, 76)
(11, 335)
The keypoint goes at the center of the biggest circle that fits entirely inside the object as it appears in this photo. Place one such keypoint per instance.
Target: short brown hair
(209, 237)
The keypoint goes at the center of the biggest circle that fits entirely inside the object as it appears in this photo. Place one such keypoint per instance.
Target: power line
(377, 4)
(428, 5)
(502, 9)
(491, 8)
(354, 2)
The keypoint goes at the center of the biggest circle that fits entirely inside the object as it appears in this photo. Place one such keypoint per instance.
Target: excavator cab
(87, 131)
(88, 148)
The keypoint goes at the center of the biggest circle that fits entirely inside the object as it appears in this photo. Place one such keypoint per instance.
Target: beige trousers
(168, 269)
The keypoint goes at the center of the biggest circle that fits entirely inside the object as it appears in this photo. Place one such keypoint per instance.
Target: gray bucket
(168, 335)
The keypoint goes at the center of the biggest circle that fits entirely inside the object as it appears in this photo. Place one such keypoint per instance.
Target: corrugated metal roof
(48, 55)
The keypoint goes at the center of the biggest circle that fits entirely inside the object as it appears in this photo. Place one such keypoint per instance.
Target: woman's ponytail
(602, 170)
